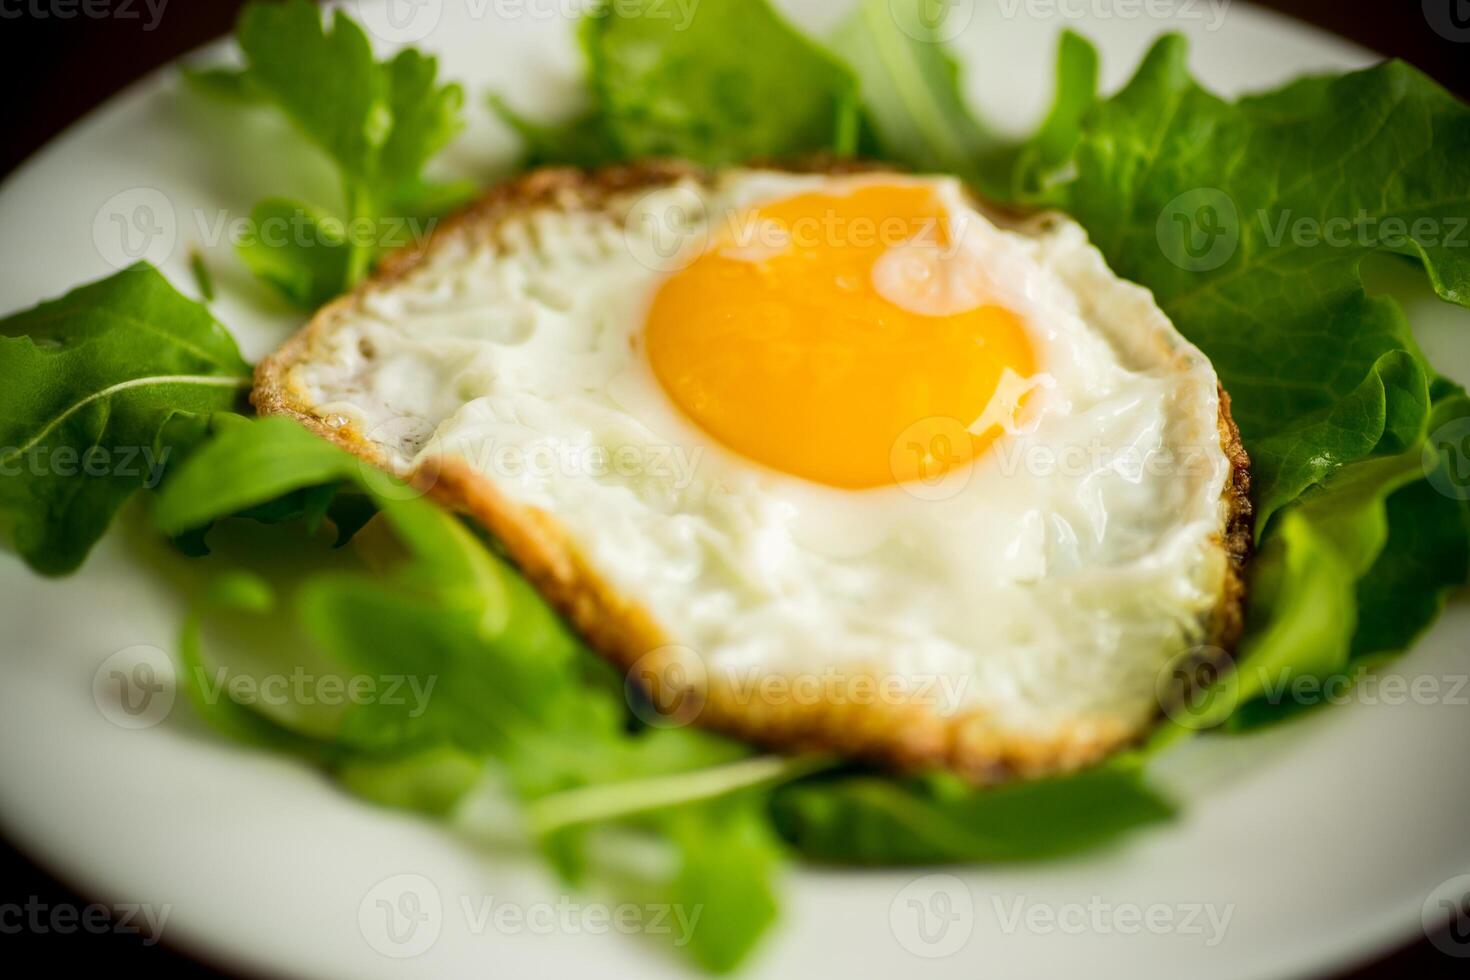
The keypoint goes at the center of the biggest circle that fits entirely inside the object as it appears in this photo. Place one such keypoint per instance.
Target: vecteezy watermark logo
(1363, 230)
(1195, 688)
(1450, 902)
(403, 439)
(411, 21)
(932, 21)
(933, 916)
(414, 443)
(134, 688)
(1447, 459)
(930, 459)
(1211, 12)
(97, 462)
(1362, 685)
(301, 688)
(142, 223)
(399, 21)
(1102, 917)
(668, 229)
(833, 687)
(568, 917)
(1449, 18)
(135, 225)
(401, 917)
(39, 918)
(302, 228)
(667, 687)
(137, 10)
(1199, 230)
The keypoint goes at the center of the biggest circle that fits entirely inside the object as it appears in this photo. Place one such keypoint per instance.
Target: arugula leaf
(100, 387)
(710, 812)
(239, 592)
(1201, 200)
(347, 511)
(380, 124)
(203, 281)
(869, 820)
(502, 679)
(728, 856)
(432, 782)
(271, 471)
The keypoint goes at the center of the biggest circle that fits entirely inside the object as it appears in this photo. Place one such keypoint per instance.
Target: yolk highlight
(778, 343)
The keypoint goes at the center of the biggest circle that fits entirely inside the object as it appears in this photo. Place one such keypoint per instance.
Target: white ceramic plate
(1321, 842)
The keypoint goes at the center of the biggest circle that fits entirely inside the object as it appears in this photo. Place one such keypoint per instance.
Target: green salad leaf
(227, 84)
(720, 81)
(379, 124)
(1353, 574)
(582, 141)
(298, 248)
(1249, 220)
(325, 81)
(1425, 557)
(912, 98)
(103, 389)
(871, 820)
(503, 683)
(294, 481)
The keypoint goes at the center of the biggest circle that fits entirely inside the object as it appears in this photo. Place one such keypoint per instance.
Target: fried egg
(840, 460)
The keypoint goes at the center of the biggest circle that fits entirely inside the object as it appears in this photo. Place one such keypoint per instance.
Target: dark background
(55, 70)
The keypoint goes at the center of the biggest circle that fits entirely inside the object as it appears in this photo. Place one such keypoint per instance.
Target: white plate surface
(1320, 842)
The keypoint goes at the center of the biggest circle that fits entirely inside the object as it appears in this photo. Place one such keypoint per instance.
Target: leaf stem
(211, 380)
(359, 253)
(607, 802)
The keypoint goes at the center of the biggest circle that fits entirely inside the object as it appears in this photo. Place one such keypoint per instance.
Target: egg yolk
(797, 341)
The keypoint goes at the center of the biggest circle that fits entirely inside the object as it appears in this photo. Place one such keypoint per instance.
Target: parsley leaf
(379, 123)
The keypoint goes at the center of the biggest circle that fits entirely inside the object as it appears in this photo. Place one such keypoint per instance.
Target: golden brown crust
(888, 732)
(1238, 537)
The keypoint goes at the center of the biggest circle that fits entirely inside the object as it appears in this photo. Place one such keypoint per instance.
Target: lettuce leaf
(724, 82)
(1352, 575)
(1249, 220)
(103, 389)
(912, 100)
